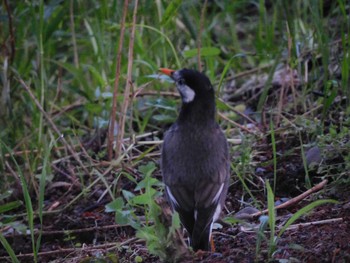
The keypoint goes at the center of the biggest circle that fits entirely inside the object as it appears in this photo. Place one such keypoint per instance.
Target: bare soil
(85, 233)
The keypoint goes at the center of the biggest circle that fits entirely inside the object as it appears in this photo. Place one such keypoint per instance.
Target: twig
(320, 222)
(294, 200)
(66, 251)
(126, 242)
(240, 113)
(116, 83)
(71, 231)
(234, 123)
(249, 229)
(121, 124)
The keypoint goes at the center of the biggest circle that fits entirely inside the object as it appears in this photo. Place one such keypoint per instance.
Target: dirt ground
(321, 236)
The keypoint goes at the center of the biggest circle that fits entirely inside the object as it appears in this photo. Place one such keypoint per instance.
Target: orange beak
(166, 71)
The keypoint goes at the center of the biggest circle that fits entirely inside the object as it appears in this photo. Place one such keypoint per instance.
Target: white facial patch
(186, 92)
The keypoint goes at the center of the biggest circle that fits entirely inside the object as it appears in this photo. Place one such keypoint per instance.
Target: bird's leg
(212, 244)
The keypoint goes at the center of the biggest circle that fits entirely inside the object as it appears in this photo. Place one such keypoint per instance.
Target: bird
(195, 162)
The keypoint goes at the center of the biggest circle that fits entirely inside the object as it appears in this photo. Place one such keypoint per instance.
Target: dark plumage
(195, 158)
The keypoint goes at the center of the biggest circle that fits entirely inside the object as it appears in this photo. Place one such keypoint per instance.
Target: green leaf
(115, 205)
(170, 11)
(204, 52)
(97, 75)
(8, 248)
(221, 105)
(127, 195)
(272, 218)
(94, 108)
(231, 220)
(147, 169)
(175, 224)
(147, 182)
(123, 217)
(144, 199)
(10, 206)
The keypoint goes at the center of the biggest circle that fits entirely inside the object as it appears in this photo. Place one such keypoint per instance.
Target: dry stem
(116, 83)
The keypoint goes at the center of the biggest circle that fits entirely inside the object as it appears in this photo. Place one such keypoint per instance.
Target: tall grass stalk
(112, 120)
(42, 66)
(42, 187)
(27, 201)
(267, 86)
(127, 89)
(274, 152)
(171, 45)
(272, 219)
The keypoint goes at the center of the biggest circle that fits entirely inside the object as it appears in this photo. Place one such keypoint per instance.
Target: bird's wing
(198, 200)
(200, 204)
(181, 199)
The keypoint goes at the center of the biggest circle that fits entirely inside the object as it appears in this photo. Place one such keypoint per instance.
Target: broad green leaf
(123, 217)
(147, 182)
(144, 199)
(147, 169)
(127, 195)
(115, 205)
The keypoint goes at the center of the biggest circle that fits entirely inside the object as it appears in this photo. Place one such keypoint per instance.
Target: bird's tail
(201, 237)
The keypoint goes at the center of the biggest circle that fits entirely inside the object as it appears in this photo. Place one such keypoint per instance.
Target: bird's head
(191, 84)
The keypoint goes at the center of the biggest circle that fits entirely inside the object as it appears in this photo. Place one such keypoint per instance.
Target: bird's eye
(181, 82)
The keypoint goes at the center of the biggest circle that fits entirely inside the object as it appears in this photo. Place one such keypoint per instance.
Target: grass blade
(8, 249)
(272, 218)
(27, 201)
(304, 211)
